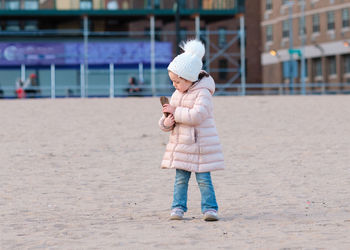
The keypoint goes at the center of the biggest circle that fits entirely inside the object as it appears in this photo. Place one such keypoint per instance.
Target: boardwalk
(84, 174)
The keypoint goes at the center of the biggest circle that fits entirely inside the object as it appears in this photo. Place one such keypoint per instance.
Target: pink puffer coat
(194, 142)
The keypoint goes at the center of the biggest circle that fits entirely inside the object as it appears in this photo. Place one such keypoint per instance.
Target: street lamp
(273, 52)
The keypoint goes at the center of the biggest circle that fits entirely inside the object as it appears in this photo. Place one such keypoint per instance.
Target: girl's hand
(167, 108)
(169, 121)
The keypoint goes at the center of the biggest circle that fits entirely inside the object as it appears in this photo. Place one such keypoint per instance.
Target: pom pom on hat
(194, 47)
(189, 64)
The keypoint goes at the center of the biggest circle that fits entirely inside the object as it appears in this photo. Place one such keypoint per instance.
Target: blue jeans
(205, 186)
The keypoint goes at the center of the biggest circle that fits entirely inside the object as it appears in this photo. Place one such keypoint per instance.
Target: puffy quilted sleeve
(161, 125)
(198, 113)
(161, 120)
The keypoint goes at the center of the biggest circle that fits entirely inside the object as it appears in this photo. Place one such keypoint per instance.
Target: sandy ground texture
(84, 174)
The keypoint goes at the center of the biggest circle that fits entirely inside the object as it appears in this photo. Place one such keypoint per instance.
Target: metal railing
(167, 89)
(114, 5)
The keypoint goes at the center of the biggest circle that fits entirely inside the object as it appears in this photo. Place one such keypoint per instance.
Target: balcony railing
(114, 5)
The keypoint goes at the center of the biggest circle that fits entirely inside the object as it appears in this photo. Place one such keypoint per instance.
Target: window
(301, 24)
(31, 5)
(330, 18)
(222, 37)
(316, 23)
(157, 34)
(223, 69)
(31, 25)
(112, 5)
(345, 18)
(268, 4)
(85, 4)
(285, 2)
(12, 26)
(347, 64)
(269, 33)
(285, 29)
(332, 66)
(13, 4)
(317, 66)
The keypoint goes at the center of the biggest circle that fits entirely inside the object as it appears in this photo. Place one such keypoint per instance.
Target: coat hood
(204, 83)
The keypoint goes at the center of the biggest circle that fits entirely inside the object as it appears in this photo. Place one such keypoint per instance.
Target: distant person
(194, 144)
(1, 92)
(31, 86)
(133, 85)
(69, 92)
(20, 93)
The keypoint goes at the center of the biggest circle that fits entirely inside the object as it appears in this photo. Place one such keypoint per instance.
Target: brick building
(326, 44)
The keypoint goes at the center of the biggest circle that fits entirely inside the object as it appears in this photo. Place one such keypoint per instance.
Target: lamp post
(291, 77)
(275, 53)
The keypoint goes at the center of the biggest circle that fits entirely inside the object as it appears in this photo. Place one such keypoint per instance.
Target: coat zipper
(177, 137)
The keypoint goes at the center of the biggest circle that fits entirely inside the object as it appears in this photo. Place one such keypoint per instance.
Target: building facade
(56, 26)
(320, 31)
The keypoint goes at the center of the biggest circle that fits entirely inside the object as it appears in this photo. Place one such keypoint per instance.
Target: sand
(84, 174)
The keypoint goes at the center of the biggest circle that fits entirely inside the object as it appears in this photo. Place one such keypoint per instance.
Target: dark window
(316, 23)
(31, 25)
(330, 18)
(268, 4)
(222, 37)
(332, 66)
(157, 35)
(317, 64)
(285, 29)
(301, 31)
(269, 33)
(345, 18)
(223, 69)
(12, 26)
(347, 64)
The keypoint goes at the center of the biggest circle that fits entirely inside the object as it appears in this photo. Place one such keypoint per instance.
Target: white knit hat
(188, 64)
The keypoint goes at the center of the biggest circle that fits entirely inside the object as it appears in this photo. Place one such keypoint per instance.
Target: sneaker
(177, 214)
(211, 215)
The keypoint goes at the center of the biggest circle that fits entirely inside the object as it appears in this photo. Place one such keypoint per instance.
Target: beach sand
(85, 174)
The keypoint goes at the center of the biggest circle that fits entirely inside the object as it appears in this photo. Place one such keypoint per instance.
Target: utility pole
(86, 56)
(302, 65)
(291, 80)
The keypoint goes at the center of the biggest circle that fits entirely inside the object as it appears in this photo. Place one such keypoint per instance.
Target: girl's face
(179, 83)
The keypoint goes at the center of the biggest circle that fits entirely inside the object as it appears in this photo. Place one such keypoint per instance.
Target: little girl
(194, 144)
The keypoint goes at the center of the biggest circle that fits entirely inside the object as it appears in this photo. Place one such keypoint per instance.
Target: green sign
(295, 51)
